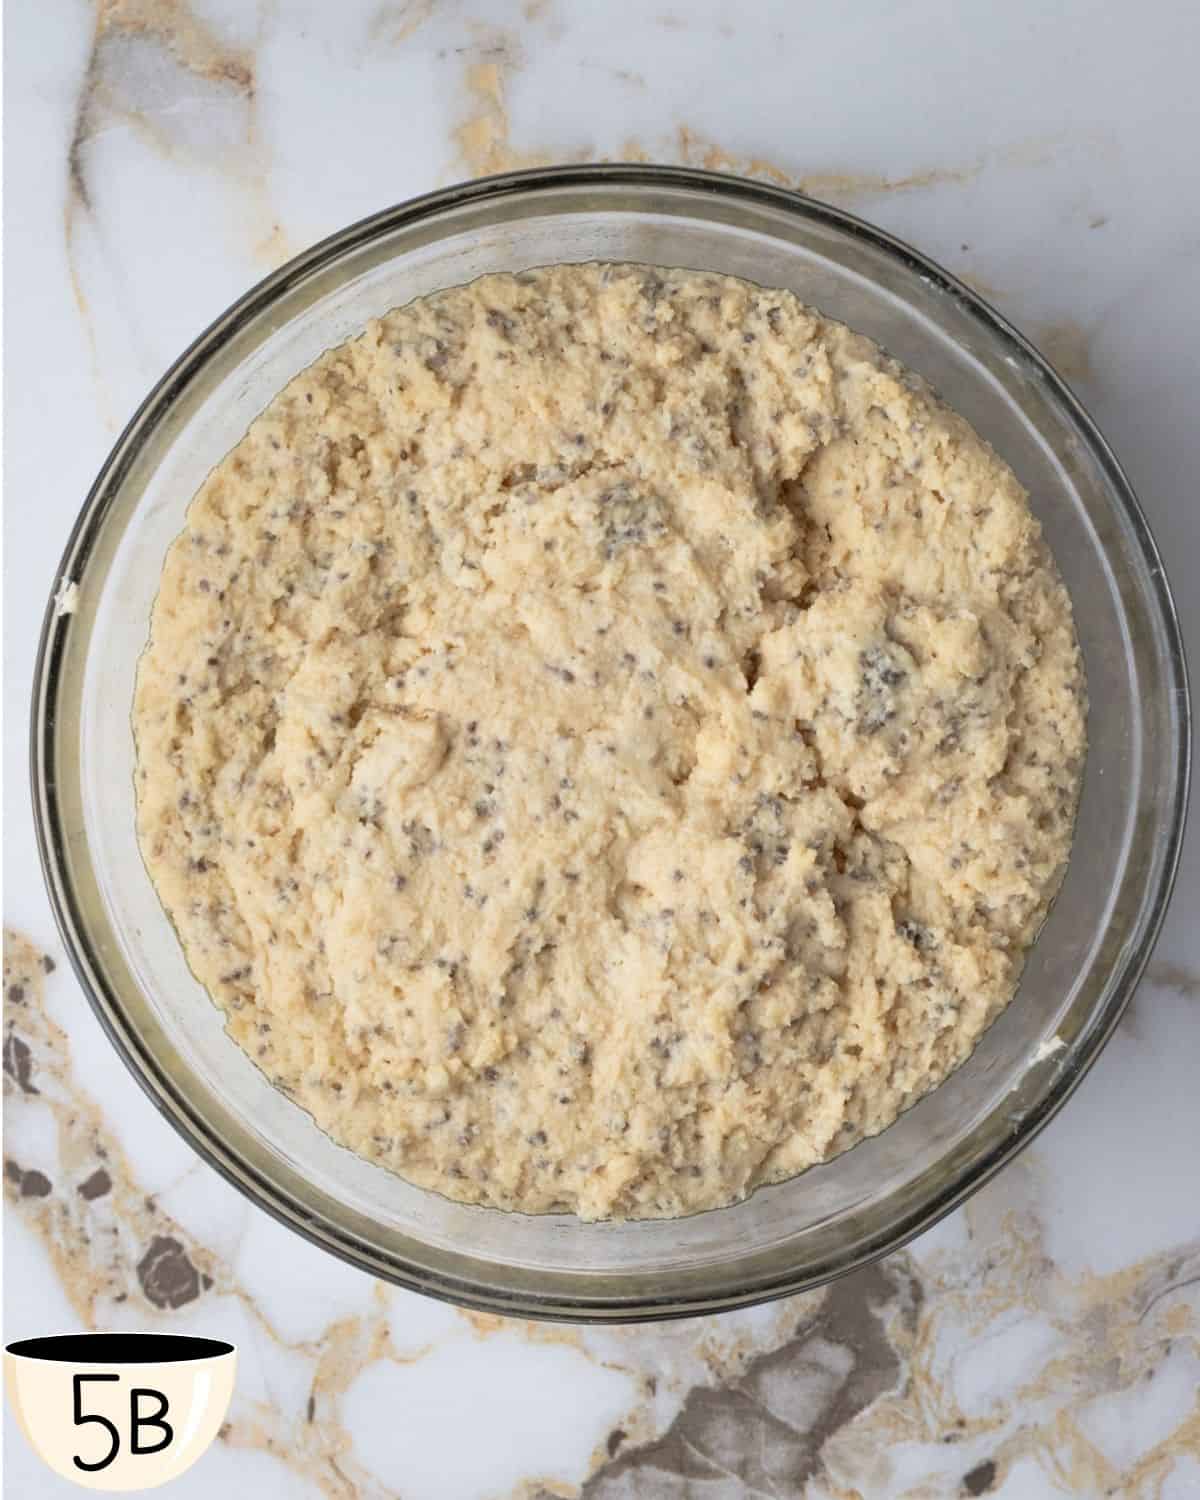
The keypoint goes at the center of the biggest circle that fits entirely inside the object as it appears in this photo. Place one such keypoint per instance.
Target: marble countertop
(164, 154)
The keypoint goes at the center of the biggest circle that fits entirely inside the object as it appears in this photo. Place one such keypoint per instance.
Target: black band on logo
(120, 1348)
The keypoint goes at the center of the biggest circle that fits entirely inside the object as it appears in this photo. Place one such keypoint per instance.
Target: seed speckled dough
(608, 739)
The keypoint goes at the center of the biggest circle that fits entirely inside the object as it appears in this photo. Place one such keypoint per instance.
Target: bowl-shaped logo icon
(120, 1411)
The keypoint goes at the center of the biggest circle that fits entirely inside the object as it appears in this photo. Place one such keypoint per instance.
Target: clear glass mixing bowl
(833, 1217)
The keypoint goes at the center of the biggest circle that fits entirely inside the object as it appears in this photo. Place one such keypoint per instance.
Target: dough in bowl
(608, 739)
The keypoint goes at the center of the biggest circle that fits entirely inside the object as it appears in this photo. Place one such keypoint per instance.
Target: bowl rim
(166, 1094)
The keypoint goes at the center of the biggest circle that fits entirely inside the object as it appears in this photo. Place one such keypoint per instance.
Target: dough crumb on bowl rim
(608, 739)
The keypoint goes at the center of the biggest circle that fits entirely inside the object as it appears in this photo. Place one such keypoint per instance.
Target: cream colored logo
(120, 1411)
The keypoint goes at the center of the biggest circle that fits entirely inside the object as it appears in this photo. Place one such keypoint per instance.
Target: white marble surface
(161, 156)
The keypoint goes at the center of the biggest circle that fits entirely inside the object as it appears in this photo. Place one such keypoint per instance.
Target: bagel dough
(608, 739)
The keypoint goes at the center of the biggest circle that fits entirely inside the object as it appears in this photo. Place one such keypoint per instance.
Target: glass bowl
(835, 1216)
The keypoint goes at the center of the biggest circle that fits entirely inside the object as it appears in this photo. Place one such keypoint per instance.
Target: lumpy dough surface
(608, 739)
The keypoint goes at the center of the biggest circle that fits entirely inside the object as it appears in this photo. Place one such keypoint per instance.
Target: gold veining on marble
(483, 139)
(122, 89)
(695, 150)
(393, 23)
(190, 39)
(485, 147)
